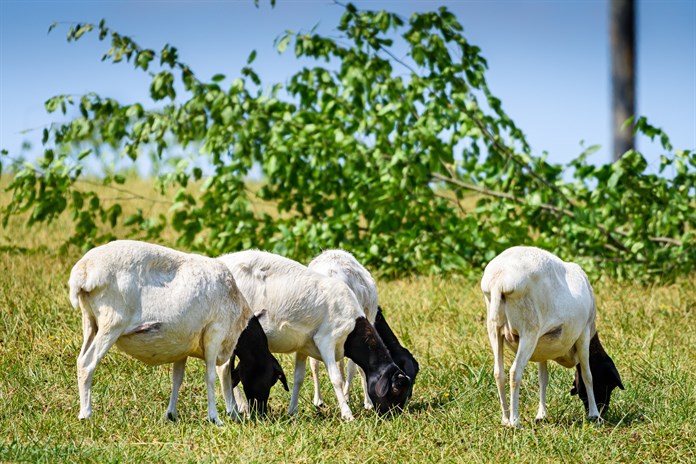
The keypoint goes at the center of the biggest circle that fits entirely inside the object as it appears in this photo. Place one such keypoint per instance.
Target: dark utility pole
(623, 73)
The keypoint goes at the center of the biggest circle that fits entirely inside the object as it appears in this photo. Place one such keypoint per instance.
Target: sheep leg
(351, 367)
(582, 346)
(89, 330)
(242, 403)
(314, 367)
(337, 381)
(327, 349)
(212, 341)
(543, 382)
(91, 354)
(525, 349)
(298, 379)
(346, 380)
(367, 402)
(496, 339)
(178, 371)
(350, 373)
(224, 373)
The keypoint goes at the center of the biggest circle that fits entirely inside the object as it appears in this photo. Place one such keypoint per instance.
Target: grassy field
(454, 414)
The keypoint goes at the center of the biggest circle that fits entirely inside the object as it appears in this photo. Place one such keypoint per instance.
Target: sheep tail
(81, 283)
(78, 277)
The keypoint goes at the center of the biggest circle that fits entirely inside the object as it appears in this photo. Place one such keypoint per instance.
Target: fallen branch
(564, 211)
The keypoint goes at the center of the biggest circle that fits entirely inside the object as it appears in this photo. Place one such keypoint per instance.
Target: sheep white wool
(343, 265)
(159, 306)
(544, 308)
(300, 310)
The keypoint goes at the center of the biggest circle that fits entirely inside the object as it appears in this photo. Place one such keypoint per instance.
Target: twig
(134, 195)
(548, 207)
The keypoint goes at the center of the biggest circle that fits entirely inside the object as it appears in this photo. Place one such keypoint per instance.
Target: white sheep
(544, 308)
(343, 265)
(162, 306)
(309, 314)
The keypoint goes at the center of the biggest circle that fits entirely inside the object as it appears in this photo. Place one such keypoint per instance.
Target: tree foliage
(364, 151)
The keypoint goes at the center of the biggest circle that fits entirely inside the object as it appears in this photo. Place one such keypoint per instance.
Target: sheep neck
(365, 347)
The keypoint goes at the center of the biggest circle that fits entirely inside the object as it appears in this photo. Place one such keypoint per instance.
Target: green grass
(454, 414)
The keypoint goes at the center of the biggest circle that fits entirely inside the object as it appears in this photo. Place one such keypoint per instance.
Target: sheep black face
(605, 377)
(258, 369)
(389, 390)
(257, 382)
(387, 385)
(402, 357)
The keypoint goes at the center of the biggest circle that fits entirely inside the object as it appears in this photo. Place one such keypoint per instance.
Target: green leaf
(281, 43)
(637, 247)
(615, 177)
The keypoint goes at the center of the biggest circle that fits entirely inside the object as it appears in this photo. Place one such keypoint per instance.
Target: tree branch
(548, 207)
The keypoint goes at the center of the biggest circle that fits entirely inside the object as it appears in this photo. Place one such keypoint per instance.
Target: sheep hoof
(596, 419)
(171, 416)
(216, 421)
(540, 419)
(319, 404)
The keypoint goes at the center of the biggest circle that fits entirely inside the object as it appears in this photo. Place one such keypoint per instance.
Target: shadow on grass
(435, 402)
(613, 419)
(624, 419)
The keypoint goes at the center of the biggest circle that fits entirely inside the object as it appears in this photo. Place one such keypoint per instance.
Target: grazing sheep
(401, 356)
(162, 306)
(544, 309)
(343, 265)
(309, 314)
(257, 367)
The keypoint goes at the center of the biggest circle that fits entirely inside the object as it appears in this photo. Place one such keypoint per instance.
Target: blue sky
(548, 59)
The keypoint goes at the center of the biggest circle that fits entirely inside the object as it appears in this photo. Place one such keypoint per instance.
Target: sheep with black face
(605, 377)
(343, 265)
(401, 355)
(544, 309)
(161, 306)
(310, 314)
(256, 367)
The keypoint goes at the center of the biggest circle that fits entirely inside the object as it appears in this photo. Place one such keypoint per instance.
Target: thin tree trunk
(623, 46)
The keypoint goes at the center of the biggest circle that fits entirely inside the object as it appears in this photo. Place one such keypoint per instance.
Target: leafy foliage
(368, 152)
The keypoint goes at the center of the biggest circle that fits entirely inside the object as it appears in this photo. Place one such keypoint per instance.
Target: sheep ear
(382, 386)
(282, 378)
(617, 377)
(280, 375)
(235, 377)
